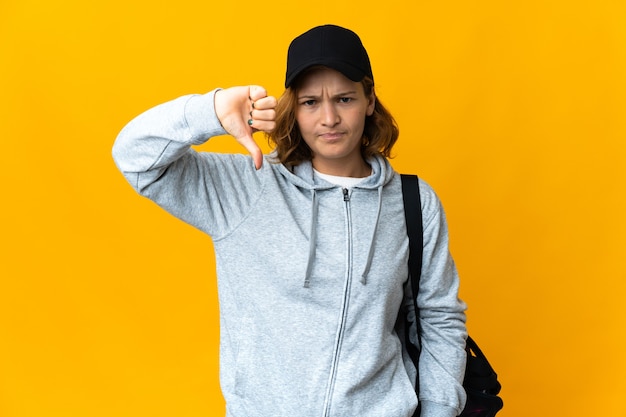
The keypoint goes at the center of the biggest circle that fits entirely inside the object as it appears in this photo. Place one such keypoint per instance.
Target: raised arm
(154, 153)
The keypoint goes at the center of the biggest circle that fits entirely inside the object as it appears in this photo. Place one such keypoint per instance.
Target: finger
(254, 150)
(262, 113)
(263, 125)
(265, 103)
(267, 115)
(257, 92)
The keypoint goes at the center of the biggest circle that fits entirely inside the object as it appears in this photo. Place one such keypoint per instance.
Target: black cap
(331, 46)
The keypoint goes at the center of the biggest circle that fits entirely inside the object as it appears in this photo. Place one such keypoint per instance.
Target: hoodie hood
(303, 177)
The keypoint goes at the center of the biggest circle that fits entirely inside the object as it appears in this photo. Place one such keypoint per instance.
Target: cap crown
(331, 46)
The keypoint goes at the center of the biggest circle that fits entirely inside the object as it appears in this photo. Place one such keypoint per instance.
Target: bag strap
(480, 377)
(413, 216)
(414, 229)
(479, 374)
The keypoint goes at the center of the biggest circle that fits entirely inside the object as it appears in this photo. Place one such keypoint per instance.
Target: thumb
(248, 142)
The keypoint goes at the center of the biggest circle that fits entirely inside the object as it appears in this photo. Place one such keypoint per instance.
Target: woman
(310, 241)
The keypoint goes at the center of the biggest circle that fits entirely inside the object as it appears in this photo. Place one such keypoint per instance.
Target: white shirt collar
(345, 182)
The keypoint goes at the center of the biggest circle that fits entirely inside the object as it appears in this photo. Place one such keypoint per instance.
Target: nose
(329, 114)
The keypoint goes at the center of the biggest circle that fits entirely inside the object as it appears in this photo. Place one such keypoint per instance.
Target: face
(331, 111)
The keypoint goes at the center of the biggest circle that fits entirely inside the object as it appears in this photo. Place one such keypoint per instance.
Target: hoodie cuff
(201, 117)
(431, 409)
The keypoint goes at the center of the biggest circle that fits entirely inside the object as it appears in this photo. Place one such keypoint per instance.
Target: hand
(243, 111)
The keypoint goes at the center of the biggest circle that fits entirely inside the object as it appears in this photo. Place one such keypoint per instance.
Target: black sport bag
(481, 381)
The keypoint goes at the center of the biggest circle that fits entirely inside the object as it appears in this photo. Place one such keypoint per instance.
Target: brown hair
(379, 134)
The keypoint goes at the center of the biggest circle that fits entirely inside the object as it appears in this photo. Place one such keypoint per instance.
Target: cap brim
(349, 71)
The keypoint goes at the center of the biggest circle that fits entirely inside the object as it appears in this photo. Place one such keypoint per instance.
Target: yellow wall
(514, 111)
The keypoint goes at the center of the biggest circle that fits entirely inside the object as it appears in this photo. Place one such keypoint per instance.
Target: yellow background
(513, 111)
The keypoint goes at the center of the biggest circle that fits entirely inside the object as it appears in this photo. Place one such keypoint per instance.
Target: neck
(359, 169)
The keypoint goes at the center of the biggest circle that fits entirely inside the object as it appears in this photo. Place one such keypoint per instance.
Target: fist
(243, 111)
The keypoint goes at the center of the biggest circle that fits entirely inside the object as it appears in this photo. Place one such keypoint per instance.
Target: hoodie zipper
(346, 195)
(344, 307)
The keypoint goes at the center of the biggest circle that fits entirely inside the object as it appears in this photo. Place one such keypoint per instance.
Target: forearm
(160, 136)
(154, 154)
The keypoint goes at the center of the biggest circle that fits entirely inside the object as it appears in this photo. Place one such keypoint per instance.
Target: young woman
(310, 241)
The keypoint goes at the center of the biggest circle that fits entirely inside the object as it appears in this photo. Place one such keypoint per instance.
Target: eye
(309, 102)
(345, 99)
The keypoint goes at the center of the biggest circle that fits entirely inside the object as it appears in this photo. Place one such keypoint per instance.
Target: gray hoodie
(311, 276)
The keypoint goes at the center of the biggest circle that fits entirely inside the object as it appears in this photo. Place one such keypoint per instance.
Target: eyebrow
(341, 94)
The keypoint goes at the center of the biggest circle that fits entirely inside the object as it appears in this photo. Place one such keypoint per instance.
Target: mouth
(331, 135)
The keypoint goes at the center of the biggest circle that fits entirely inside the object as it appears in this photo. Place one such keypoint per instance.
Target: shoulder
(429, 199)
(431, 207)
(431, 204)
(428, 194)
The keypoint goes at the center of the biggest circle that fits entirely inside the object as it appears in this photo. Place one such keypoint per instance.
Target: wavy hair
(379, 134)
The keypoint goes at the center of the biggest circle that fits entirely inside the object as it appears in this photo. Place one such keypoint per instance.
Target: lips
(331, 135)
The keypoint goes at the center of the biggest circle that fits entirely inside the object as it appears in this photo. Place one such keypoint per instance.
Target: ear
(371, 104)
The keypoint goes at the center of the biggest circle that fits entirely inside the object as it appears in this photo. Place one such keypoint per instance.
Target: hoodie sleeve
(442, 318)
(207, 190)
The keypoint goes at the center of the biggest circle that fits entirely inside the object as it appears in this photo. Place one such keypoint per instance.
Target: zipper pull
(346, 194)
